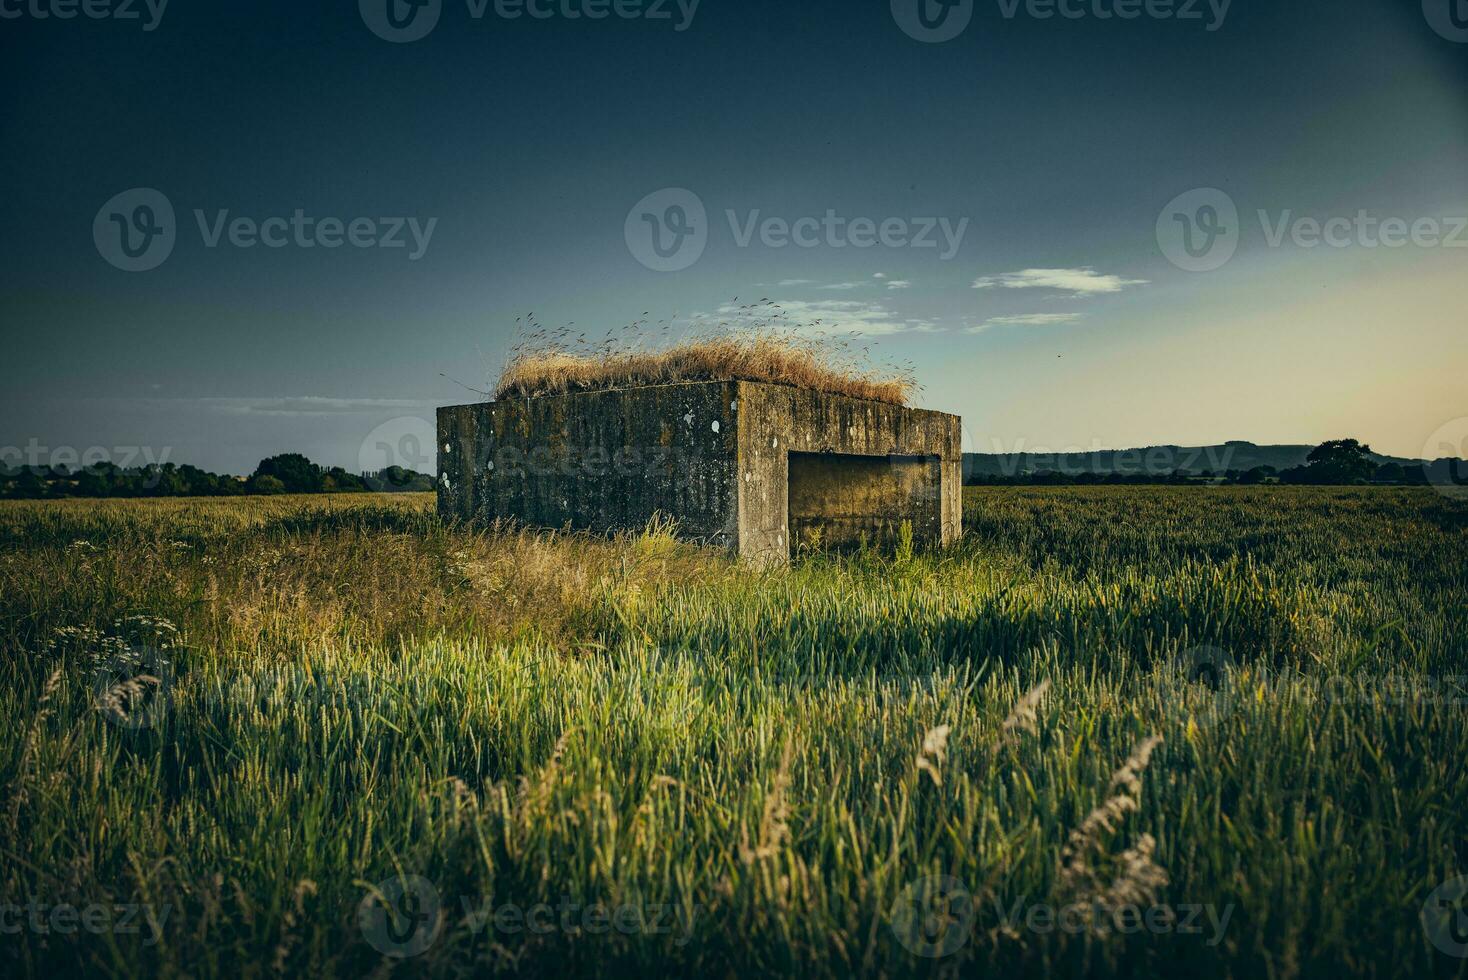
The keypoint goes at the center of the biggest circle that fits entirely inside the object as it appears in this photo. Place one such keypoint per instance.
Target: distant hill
(1149, 460)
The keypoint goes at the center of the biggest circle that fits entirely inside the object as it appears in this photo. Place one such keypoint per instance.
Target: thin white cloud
(834, 317)
(1077, 282)
(878, 279)
(1034, 319)
(1023, 320)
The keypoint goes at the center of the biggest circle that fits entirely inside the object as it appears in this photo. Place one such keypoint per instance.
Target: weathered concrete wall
(713, 455)
(775, 421)
(596, 460)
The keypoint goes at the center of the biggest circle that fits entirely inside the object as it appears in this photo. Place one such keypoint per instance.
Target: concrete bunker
(744, 465)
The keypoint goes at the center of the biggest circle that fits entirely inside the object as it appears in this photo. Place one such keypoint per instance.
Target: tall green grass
(769, 768)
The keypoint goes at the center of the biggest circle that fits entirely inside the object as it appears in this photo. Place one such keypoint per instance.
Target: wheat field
(1116, 731)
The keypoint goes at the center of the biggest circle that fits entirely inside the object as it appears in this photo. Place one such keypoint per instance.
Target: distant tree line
(286, 473)
(1338, 462)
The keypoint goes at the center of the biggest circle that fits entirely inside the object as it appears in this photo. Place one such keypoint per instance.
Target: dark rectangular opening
(838, 500)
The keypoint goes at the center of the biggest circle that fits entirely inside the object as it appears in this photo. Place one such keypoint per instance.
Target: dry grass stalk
(1022, 718)
(935, 748)
(534, 794)
(1135, 877)
(117, 701)
(293, 915)
(21, 790)
(1129, 776)
(774, 828)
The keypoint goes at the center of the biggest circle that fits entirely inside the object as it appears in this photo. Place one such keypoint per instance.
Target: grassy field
(1135, 731)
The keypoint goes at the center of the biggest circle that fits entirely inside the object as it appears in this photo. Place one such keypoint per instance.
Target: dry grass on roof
(767, 357)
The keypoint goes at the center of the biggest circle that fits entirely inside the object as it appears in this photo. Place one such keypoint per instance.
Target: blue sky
(1057, 320)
